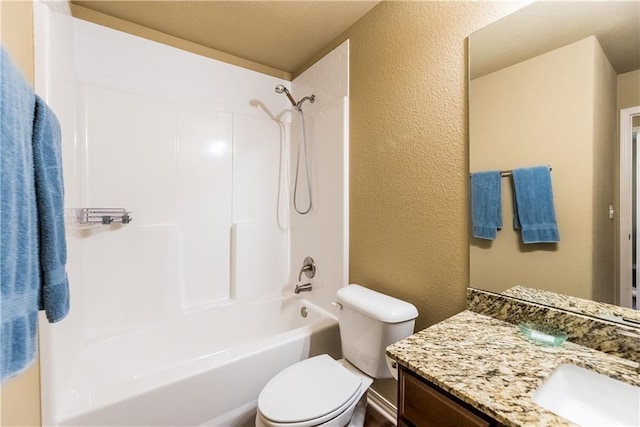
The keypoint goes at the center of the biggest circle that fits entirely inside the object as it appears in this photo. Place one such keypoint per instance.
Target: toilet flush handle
(337, 305)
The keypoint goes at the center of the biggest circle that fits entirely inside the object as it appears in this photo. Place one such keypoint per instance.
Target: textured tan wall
(408, 133)
(17, 34)
(20, 398)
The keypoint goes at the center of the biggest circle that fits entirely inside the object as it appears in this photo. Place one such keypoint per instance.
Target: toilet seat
(309, 392)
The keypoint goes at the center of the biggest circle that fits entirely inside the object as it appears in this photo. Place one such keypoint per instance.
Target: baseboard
(382, 406)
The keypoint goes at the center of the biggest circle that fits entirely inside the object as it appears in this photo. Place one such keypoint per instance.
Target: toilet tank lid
(376, 305)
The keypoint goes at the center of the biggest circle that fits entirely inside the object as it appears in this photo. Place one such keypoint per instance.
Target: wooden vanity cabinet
(422, 404)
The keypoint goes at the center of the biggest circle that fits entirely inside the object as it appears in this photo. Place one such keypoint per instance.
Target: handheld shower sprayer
(296, 105)
(282, 89)
(303, 144)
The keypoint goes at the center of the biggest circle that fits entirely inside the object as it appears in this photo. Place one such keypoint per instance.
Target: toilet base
(359, 413)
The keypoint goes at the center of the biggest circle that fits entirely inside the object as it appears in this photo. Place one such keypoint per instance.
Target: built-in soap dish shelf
(100, 216)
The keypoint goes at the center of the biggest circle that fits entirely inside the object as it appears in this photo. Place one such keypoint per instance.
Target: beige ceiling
(548, 25)
(279, 34)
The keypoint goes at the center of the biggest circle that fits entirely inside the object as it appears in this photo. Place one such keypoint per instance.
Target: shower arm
(311, 99)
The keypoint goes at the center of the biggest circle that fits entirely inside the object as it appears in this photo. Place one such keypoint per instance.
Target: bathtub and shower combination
(181, 316)
(183, 376)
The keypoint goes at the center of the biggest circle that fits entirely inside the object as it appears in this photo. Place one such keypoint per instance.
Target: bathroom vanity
(423, 403)
(474, 369)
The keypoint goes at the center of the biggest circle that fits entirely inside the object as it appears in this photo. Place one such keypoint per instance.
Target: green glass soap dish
(542, 335)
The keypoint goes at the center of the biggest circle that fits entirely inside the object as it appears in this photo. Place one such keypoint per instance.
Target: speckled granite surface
(579, 305)
(598, 334)
(488, 364)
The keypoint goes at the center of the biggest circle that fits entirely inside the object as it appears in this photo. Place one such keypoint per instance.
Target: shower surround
(182, 316)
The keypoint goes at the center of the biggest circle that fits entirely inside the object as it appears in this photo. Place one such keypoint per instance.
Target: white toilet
(322, 391)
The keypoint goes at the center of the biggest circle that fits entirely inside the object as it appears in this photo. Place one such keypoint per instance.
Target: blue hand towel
(534, 210)
(486, 204)
(47, 159)
(19, 275)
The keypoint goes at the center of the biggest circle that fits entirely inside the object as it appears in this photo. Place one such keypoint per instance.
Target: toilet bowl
(314, 392)
(322, 391)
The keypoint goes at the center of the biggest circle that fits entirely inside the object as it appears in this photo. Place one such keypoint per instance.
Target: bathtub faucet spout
(303, 288)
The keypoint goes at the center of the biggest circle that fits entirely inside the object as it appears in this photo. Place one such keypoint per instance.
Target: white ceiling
(547, 25)
(279, 34)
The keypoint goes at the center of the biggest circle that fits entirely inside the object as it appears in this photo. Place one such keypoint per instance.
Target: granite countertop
(487, 363)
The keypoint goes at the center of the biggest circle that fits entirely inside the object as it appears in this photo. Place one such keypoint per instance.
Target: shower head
(296, 105)
(282, 89)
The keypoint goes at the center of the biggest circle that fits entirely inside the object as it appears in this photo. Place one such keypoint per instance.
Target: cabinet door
(421, 405)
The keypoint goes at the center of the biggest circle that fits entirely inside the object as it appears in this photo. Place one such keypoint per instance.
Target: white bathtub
(207, 369)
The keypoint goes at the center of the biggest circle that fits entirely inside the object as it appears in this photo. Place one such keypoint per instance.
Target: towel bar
(104, 216)
(509, 172)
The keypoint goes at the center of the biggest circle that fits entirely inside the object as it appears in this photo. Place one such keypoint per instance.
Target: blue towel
(486, 204)
(47, 159)
(534, 211)
(32, 239)
(19, 275)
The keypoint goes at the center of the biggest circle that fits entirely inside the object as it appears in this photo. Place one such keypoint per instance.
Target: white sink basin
(587, 398)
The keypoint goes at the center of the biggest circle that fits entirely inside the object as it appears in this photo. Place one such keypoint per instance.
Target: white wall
(198, 151)
(323, 233)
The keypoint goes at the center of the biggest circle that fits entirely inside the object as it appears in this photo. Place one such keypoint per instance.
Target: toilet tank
(369, 322)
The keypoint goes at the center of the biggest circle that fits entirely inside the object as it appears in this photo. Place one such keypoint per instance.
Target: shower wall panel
(260, 208)
(170, 164)
(204, 196)
(163, 132)
(323, 233)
